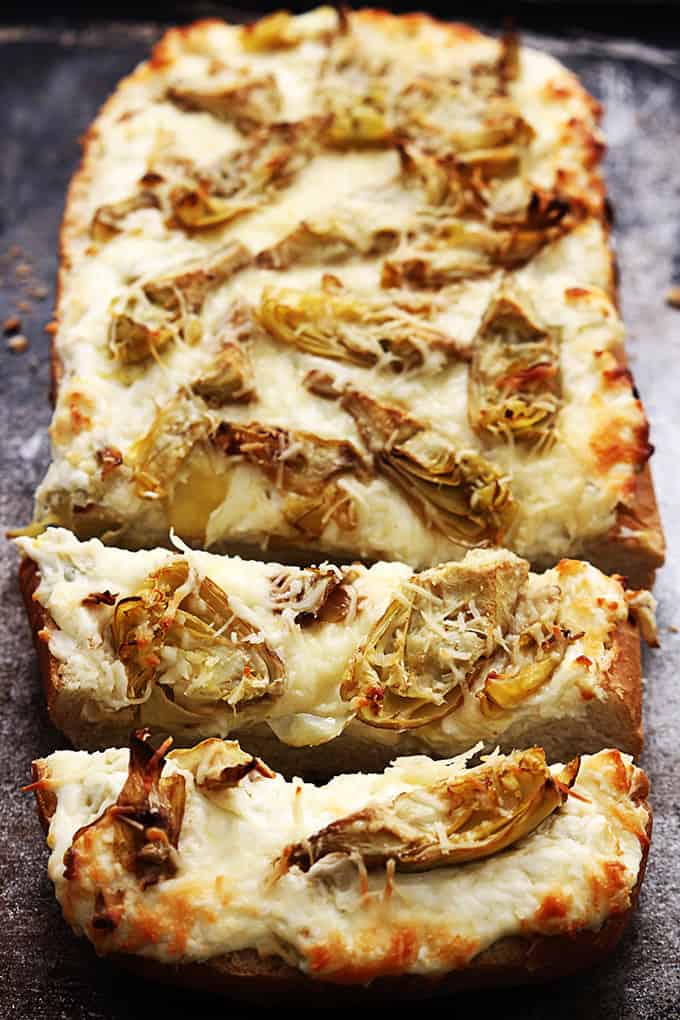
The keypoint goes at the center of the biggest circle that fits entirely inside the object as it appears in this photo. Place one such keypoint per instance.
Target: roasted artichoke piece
(250, 101)
(247, 178)
(446, 249)
(517, 675)
(514, 384)
(358, 119)
(330, 241)
(475, 813)
(167, 307)
(313, 594)
(277, 31)
(228, 379)
(304, 467)
(156, 457)
(228, 658)
(109, 220)
(336, 323)
(219, 765)
(417, 660)
(141, 829)
(445, 115)
(459, 492)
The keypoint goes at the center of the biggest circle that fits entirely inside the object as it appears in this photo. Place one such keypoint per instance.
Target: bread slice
(334, 669)
(289, 915)
(324, 382)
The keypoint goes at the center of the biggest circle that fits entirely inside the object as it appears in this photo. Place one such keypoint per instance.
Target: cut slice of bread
(335, 669)
(262, 924)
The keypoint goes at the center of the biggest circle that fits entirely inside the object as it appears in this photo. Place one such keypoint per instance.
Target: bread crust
(636, 557)
(615, 721)
(514, 960)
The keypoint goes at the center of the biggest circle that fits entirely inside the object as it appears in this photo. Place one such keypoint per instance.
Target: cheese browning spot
(468, 817)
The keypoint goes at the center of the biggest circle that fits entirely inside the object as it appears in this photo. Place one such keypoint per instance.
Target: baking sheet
(53, 77)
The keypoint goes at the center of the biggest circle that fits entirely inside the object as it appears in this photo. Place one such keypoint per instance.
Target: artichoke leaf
(219, 765)
(142, 828)
(109, 220)
(517, 676)
(474, 814)
(330, 240)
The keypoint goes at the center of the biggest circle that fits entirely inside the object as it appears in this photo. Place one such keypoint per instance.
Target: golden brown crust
(510, 961)
(38, 619)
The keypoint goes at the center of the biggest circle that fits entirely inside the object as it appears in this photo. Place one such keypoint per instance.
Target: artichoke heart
(330, 240)
(336, 323)
(167, 307)
(141, 829)
(155, 458)
(228, 378)
(246, 178)
(514, 387)
(227, 657)
(303, 467)
(417, 661)
(109, 220)
(459, 492)
(445, 249)
(219, 765)
(312, 594)
(475, 813)
(517, 676)
(237, 95)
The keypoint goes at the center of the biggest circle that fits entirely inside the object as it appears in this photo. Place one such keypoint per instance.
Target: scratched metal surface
(53, 78)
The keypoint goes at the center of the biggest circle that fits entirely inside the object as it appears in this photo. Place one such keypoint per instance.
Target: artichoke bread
(340, 284)
(369, 662)
(205, 867)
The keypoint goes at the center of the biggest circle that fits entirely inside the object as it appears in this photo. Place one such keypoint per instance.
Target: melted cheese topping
(574, 871)
(565, 495)
(310, 711)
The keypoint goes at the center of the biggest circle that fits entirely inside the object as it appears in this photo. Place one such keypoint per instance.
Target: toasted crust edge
(514, 960)
(622, 683)
(612, 552)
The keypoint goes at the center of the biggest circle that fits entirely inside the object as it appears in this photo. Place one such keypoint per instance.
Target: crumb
(673, 297)
(18, 343)
(12, 324)
(24, 306)
(39, 293)
(673, 630)
(50, 328)
(23, 270)
(15, 251)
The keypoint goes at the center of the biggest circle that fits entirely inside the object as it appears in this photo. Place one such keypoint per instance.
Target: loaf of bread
(207, 868)
(341, 285)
